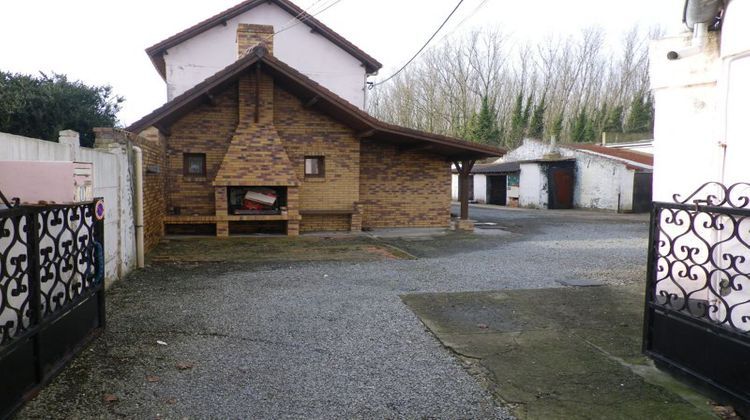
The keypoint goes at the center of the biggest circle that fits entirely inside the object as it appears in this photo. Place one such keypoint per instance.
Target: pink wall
(35, 181)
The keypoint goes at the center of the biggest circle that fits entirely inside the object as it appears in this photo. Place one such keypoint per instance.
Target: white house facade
(304, 43)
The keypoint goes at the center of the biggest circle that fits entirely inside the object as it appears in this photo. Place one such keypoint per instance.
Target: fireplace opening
(256, 200)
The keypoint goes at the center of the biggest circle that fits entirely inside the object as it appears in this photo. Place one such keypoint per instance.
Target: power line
(421, 49)
(302, 12)
(307, 17)
(473, 12)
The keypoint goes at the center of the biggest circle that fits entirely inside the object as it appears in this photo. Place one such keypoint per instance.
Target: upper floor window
(315, 166)
(194, 164)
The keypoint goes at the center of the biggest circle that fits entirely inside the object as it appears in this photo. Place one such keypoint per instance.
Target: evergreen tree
(527, 110)
(42, 106)
(589, 130)
(483, 127)
(557, 126)
(640, 119)
(578, 126)
(517, 124)
(613, 123)
(536, 125)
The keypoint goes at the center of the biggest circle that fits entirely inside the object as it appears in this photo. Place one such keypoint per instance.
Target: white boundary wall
(112, 180)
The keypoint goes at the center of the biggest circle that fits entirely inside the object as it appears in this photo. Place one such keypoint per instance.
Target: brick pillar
(292, 204)
(222, 211)
(356, 224)
(248, 36)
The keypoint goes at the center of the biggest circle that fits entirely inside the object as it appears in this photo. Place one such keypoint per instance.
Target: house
(544, 175)
(260, 145)
(697, 316)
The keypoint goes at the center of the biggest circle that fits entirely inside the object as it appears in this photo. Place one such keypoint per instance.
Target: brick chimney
(249, 35)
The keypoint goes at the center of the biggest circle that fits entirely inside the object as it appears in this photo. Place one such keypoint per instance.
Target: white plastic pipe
(139, 206)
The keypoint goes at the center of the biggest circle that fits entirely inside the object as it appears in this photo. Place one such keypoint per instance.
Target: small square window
(194, 164)
(315, 166)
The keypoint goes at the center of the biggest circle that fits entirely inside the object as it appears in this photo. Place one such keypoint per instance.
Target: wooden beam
(257, 92)
(415, 147)
(211, 98)
(314, 100)
(464, 171)
(164, 129)
(363, 134)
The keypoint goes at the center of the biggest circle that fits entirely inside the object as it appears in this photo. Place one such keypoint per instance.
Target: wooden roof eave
(322, 100)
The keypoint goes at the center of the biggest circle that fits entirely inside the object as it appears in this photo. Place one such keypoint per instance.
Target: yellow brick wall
(208, 130)
(322, 223)
(411, 189)
(250, 35)
(306, 132)
(153, 145)
(394, 189)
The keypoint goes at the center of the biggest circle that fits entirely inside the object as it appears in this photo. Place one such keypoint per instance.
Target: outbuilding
(558, 176)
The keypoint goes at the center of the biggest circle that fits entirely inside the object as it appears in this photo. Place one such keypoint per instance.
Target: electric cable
(372, 85)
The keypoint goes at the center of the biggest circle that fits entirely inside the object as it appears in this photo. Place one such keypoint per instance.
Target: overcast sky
(103, 41)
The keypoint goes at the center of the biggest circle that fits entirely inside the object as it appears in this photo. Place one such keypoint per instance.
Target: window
(194, 164)
(315, 166)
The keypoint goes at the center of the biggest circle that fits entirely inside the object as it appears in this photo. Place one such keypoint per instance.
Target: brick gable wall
(306, 132)
(208, 129)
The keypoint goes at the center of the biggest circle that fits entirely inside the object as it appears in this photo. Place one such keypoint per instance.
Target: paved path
(322, 340)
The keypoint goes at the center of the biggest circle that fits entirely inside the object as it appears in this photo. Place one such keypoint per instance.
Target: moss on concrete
(264, 249)
(560, 353)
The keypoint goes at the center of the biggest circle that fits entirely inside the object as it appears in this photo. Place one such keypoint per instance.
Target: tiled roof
(623, 154)
(322, 99)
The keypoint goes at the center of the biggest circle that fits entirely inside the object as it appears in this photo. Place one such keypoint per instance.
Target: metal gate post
(35, 287)
(99, 237)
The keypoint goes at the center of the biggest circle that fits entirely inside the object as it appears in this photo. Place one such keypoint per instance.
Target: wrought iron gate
(697, 317)
(51, 293)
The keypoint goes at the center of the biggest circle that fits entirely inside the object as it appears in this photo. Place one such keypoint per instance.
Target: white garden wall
(112, 181)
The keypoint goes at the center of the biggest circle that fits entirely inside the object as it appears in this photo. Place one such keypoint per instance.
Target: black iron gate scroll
(51, 293)
(697, 318)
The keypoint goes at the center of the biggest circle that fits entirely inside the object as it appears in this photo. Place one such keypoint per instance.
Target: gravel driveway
(323, 340)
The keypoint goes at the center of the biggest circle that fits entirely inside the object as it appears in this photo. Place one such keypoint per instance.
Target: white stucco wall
(480, 188)
(600, 182)
(533, 186)
(112, 180)
(194, 60)
(701, 135)
(454, 187)
(686, 128)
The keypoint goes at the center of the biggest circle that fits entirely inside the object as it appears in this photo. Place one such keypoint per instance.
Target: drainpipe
(139, 206)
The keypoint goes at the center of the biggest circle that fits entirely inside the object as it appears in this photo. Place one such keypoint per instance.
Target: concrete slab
(579, 282)
(560, 353)
(408, 232)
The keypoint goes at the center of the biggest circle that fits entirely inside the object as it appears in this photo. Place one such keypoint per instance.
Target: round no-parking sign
(99, 210)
